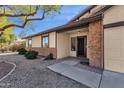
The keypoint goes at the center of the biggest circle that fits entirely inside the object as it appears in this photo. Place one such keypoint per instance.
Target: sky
(67, 12)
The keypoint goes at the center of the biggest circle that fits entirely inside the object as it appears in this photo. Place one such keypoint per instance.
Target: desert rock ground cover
(35, 74)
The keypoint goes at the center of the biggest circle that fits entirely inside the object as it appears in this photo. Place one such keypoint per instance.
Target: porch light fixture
(79, 32)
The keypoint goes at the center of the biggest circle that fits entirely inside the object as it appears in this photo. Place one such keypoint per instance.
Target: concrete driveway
(112, 80)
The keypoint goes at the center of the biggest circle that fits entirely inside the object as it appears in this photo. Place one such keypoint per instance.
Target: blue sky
(67, 12)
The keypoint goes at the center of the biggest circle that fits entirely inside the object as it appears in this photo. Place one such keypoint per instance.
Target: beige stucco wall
(114, 49)
(26, 43)
(52, 39)
(76, 34)
(36, 41)
(114, 14)
(62, 45)
(45, 34)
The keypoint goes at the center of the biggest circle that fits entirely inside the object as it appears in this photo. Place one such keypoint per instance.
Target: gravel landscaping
(35, 74)
(5, 68)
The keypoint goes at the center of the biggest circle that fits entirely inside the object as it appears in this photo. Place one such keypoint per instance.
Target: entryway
(82, 46)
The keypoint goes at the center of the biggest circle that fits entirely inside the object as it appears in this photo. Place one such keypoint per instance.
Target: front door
(81, 46)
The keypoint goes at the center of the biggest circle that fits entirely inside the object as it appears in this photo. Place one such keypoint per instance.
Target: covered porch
(73, 43)
(83, 41)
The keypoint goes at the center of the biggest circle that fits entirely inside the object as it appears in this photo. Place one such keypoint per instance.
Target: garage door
(114, 49)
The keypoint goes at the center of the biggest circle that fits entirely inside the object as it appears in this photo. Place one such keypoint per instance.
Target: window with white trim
(45, 41)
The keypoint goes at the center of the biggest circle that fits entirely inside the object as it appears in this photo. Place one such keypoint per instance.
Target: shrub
(16, 46)
(31, 55)
(21, 51)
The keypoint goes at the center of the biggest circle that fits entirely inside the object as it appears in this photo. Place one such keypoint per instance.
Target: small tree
(7, 36)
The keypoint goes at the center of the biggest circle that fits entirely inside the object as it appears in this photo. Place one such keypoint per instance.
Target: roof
(75, 24)
(82, 13)
(81, 23)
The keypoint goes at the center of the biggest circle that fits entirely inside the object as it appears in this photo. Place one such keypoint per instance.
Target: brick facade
(45, 51)
(95, 44)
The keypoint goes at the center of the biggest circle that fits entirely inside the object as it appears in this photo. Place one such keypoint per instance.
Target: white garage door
(114, 49)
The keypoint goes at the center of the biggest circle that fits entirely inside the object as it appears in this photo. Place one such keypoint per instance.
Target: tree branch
(24, 24)
(26, 20)
(20, 15)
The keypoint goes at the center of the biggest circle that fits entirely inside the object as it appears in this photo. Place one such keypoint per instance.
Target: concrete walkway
(83, 76)
(92, 79)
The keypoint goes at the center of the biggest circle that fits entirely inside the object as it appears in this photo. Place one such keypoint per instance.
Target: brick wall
(95, 44)
(45, 51)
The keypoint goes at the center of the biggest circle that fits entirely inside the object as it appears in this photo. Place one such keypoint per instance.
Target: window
(45, 42)
(29, 42)
(73, 44)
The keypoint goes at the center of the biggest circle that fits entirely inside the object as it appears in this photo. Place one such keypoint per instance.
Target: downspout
(102, 41)
(56, 45)
(102, 46)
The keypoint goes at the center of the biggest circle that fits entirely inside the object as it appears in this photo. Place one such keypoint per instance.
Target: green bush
(21, 51)
(31, 55)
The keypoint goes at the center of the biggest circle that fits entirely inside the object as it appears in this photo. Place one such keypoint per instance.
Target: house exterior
(97, 33)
